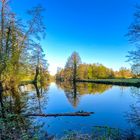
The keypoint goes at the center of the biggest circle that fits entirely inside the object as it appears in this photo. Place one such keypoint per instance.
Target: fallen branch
(84, 114)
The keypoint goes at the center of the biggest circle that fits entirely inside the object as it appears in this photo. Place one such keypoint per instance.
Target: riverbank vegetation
(81, 71)
(96, 73)
(120, 82)
(21, 55)
(22, 61)
(93, 71)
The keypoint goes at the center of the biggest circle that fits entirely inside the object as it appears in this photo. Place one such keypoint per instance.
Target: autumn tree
(72, 63)
(124, 73)
(83, 71)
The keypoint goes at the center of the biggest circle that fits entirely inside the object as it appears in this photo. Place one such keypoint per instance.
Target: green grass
(121, 82)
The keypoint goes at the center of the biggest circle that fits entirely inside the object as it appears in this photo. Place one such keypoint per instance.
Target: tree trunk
(2, 28)
(1, 101)
(74, 72)
(36, 74)
(84, 114)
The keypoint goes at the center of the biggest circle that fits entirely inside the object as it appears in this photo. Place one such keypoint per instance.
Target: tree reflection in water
(32, 98)
(13, 105)
(134, 115)
(75, 90)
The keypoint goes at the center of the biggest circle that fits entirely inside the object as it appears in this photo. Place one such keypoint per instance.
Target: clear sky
(94, 28)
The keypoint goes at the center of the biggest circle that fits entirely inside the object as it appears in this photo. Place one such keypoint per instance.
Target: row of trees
(74, 69)
(21, 55)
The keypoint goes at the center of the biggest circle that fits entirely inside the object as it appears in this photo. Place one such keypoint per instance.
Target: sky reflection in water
(112, 106)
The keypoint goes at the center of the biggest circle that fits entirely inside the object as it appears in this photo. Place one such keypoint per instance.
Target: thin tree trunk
(37, 90)
(2, 27)
(74, 72)
(1, 101)
(36, 74)
(7, 41)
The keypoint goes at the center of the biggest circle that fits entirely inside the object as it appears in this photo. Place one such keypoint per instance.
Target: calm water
(115, 107)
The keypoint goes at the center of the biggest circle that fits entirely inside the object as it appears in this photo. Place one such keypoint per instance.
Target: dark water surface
(115, 107)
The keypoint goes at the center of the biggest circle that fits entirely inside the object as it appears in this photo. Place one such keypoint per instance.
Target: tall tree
(4, 20)
(72, 63)
(38, 62)
(134, 37)
(16, 39)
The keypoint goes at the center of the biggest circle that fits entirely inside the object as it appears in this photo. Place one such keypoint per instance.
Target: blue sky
(94, 28)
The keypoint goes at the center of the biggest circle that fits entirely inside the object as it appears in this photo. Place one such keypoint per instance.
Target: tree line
(76, 70)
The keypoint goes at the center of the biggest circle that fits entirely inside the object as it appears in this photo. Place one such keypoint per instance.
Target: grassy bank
(120, 82)
(26, 82)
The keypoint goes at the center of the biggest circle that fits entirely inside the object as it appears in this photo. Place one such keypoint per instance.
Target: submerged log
(84, 114)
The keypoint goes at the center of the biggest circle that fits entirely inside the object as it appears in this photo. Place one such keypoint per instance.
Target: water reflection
(117, 115)
(84, 88)
(74, 91)
(133, 115)
(13, 106)
(35, 97)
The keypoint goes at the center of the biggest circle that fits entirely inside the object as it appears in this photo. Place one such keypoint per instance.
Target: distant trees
(93, 71)
(59, 75)
(134, 37)
(123, 73)
(99, 71)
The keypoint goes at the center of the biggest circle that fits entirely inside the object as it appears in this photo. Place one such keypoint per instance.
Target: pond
(116, 109)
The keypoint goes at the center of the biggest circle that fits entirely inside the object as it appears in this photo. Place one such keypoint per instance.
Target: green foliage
(19, 46)
(93, 72)
(98, 133)
(121, 82)
(86, 71)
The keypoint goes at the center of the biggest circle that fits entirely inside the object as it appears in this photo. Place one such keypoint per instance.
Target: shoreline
(119, 82)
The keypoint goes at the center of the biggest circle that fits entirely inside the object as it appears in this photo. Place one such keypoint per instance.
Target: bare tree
(134, 37)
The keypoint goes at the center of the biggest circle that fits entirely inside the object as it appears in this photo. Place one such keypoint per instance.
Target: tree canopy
(20, 51)
(134, 37)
